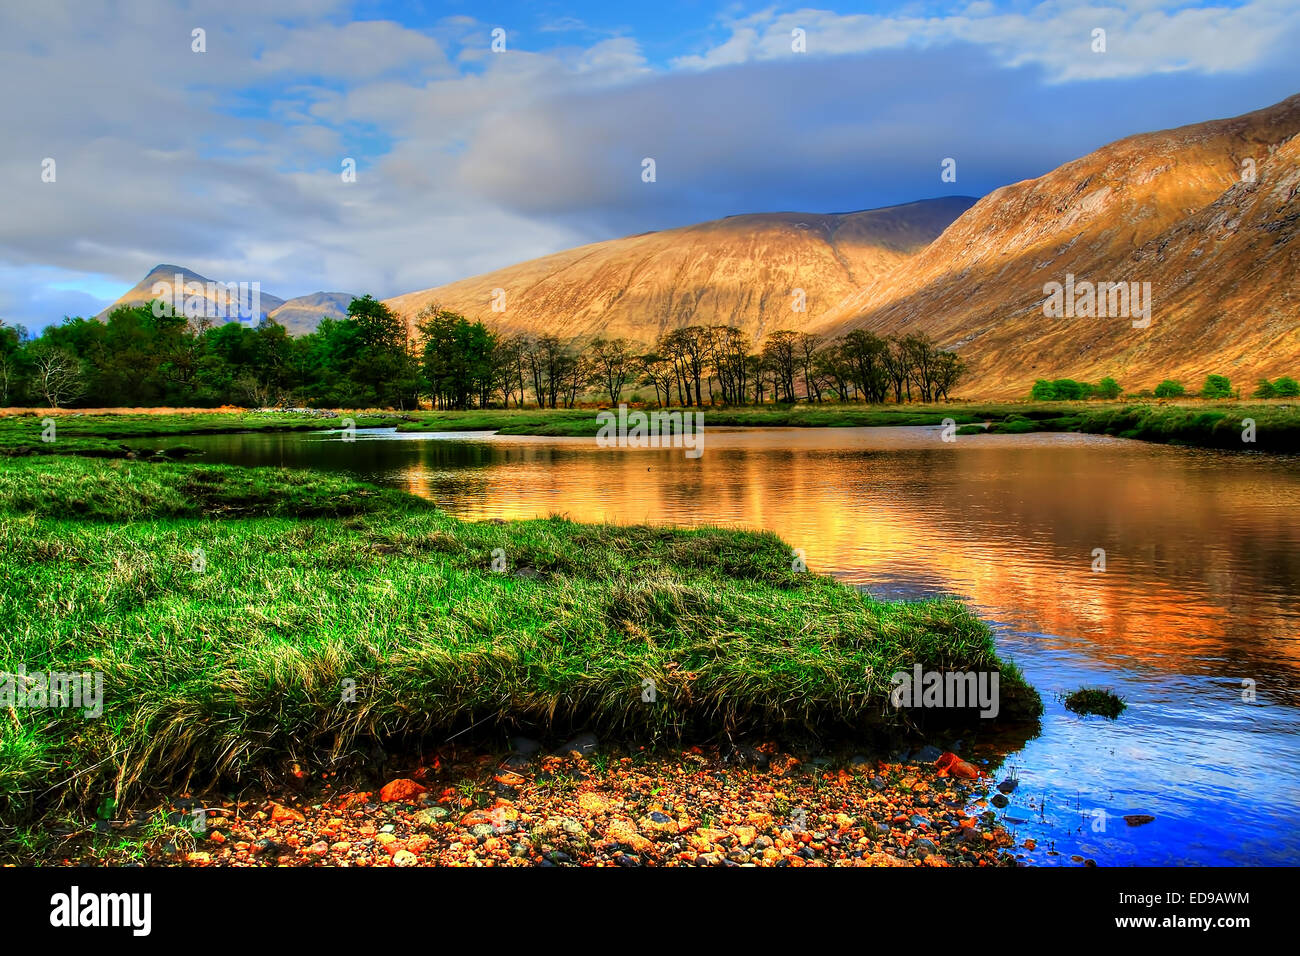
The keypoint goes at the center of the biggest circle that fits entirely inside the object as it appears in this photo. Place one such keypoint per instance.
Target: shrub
(1043, 391)
(1107, 388)
(1264, 389)
(1286, 387)
(1216, 386)
(1170, 389)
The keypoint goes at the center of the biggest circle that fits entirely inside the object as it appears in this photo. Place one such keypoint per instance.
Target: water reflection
(1202, 560)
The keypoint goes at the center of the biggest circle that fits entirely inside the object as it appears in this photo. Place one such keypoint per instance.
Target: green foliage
(1216, 386)
(1264, 389)
(1107, 388)
(226, 669)
(1170, 389)
(1094, 700)
(1286, 387)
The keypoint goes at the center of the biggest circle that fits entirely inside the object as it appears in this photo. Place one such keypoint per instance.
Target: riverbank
(584, 805)
(243, 617)
(1276, 425)
(1272, 426)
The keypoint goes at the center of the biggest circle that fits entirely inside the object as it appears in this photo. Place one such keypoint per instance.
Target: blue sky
(228, 160)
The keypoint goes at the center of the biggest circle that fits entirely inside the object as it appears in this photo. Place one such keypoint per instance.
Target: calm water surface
(1202, 558)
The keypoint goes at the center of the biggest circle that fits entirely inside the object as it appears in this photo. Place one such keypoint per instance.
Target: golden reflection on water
(1202, 549)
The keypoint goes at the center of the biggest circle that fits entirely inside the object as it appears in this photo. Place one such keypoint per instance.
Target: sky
(228, 152)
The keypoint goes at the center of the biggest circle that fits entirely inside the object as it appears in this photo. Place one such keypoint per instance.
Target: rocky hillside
(741, 271)
(1169, 208)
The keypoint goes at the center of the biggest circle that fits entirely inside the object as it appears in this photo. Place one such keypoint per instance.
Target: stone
(583, 745)
(401, 790)
(282, 814)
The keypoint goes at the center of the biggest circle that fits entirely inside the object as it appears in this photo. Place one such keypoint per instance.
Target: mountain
(742, 270)
(299, 316)
(216, 299)
(1169, 208)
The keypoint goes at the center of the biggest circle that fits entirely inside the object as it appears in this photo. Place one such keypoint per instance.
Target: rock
(1008, 785)
(658, 822)
(320, 848)
(280, 814)
(199, 856)
(431, 817)
(999, 800)
(1138, 819)
(405, 858)
(919, 821)
(949, 764)
(482, 830)
(926, 754)
(265, 848)
(746, 835)
(525, 746)
(401, 790)
(498, 816)
(709, 859)
(594, 802)
(583, 745)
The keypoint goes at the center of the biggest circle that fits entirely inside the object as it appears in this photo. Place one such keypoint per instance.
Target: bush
(1107, 388)
(1043, 391)
(1216, 386)
(1264, 389)
(1170, 389)
(1286, 387)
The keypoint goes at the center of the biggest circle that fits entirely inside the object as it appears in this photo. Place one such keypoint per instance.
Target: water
(1199, 591)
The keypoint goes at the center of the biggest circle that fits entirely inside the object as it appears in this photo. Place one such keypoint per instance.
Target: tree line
(1215, 387)
(374, 358)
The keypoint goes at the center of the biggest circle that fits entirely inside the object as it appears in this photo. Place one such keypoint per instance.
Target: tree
(1216, 386)
(1107, 388)
(1170, 389)
(1043, 391)
(949, 367)
(57, 373)
(1286, 387)
(780, 356)
(614, 364)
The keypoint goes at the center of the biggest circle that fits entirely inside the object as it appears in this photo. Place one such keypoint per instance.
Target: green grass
(151, 435)
(1204, 424)
(1094, 700)
(309, 581)
(1190, 422)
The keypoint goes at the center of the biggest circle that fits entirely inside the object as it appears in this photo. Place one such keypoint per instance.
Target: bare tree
(614, 363)
(57, 374)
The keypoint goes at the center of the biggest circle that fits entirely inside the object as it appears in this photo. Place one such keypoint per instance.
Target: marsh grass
(311, 581)
(146, 435)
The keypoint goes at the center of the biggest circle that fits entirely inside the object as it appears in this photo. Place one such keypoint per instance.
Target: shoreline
(1265, 425)
(581, 805)
(242, 616)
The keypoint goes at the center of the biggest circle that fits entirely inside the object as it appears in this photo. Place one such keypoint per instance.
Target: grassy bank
(1202, 424)
(151, 435)
(307, 582)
